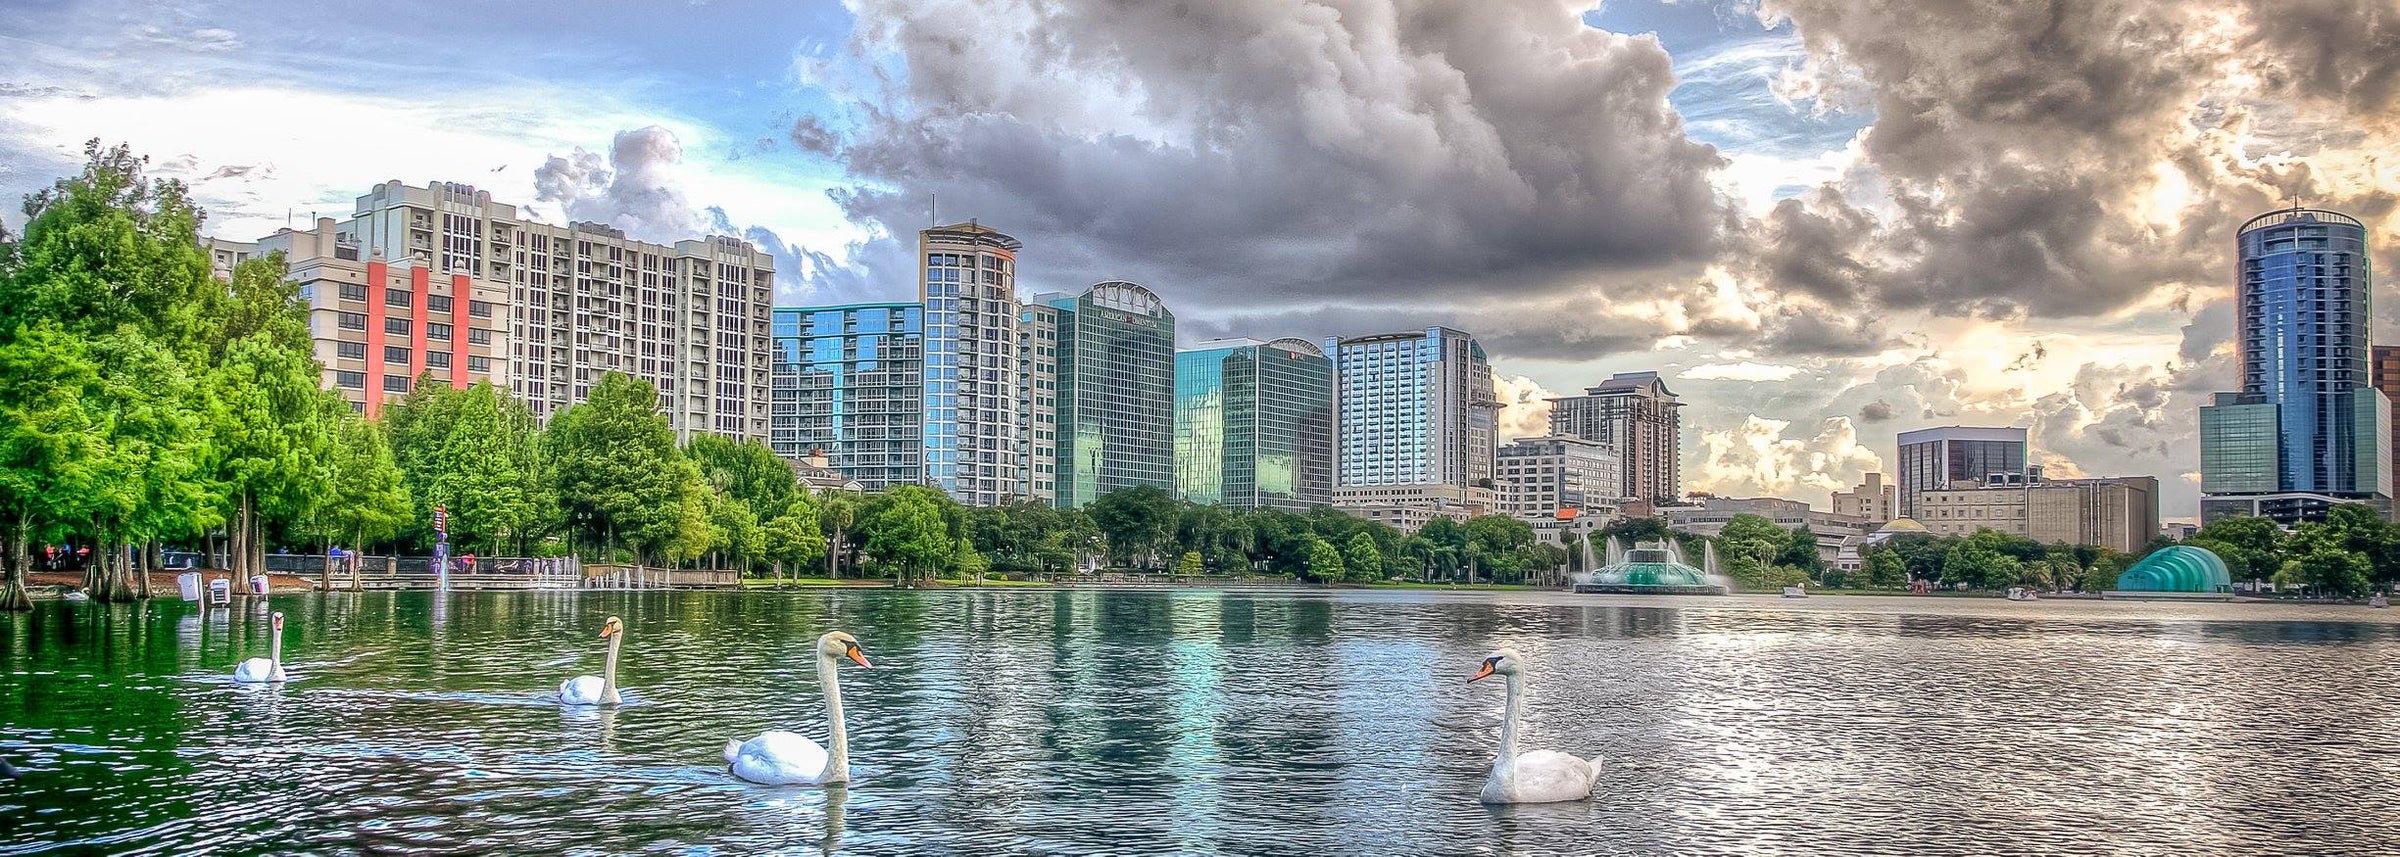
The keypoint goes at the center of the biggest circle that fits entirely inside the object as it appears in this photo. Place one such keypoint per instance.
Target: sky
(1823, 221)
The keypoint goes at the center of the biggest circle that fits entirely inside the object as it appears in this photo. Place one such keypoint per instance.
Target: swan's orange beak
(1481, 674)
(860, 657)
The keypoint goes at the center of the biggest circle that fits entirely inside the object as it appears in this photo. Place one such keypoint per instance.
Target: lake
(1037, 721)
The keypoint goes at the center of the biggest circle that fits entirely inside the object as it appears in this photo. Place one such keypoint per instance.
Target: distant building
(1538, 476)
(815, 470)
(1414, 419)
(1409, 507)
(1709, 519)
(2308, 429)
(967, 284)
(2119, 513)
(849, 384)
(1037, 402)
(1254, 424)
(1637, 415)
(1937, 458)
(1115, 363)
(1872, 501)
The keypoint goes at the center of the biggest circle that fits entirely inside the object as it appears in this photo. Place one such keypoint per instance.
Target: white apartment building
(1538, 476)
(975, 445)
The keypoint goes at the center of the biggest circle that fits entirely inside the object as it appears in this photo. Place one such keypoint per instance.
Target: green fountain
(1651, 568)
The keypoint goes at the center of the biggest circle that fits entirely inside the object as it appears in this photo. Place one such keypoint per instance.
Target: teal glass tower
(2308, 428)
(1254, 424)
(1114, 352)
(849, 380)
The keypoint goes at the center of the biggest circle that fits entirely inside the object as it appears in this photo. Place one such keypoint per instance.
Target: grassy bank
(1460, 587)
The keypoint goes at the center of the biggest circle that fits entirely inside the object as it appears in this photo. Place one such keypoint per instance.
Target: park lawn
(1471, 587)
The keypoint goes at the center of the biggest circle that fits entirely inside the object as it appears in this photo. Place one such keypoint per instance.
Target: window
(479, 364)
(479, 309)
(395, 383)
(395, 354)
(399, 326)
(479, 336)
(398, 297)
(354, 292)
(352, 380)
(437, 359)
(351, 320)
(437, 303)
(350, 350)
(437, 331)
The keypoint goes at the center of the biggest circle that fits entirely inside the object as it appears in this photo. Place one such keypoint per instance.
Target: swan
(1534, 776)
(598, 689)
(784, 758)
(268, 669)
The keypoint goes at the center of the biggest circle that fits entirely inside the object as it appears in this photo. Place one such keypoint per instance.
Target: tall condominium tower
(1414, 420)
(553, 307)
(850, 382)
(2308, 428)
(1113, 357)
(1935, 459)
(1254, 424)
(1635, 413)
(974, 448)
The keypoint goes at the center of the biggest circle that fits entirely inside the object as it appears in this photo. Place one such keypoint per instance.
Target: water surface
(1207, 722)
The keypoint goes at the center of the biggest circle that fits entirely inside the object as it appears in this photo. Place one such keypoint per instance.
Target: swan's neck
(1505, 767)
(275, 648)
(608, 671)
(837, 765)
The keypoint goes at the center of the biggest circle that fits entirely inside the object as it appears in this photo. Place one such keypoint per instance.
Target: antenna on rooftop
(933, 211)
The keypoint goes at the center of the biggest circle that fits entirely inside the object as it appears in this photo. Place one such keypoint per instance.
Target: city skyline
(2073, 273)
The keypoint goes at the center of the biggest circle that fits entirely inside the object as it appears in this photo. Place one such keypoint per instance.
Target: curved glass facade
(2303, 325)
(1116, 392)
(1254, 424)
(2179, 568)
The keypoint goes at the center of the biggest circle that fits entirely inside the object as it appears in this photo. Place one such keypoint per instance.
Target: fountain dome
(1650, 568)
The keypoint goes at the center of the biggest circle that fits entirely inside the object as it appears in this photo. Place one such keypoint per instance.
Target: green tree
(1139, 524)
(1800, 551)
(835, 518)
(111, 249)
(2330, 571)
(906, 532)
(2252, 548)
(1497, 547)
(621, 478)
(52, 451)
(270, 442)
(745, 470)
(1884, 568)
(1632, 530)
(1189, 565)
(1979, 563)
(1324, 562)
(368, 502)
(1362, 559)
(735, 534)
(793, 536)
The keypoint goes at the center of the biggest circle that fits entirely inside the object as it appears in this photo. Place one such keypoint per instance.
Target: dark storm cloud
(1878, 411)
(2016, 142)
(810, 134)
(1246, 156)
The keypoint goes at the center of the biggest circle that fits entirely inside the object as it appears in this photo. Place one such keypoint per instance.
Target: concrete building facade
(1872, 500)
(1538, 476)
(1635, 414)
(1415, 415)
(974, 437)
(2118, 513)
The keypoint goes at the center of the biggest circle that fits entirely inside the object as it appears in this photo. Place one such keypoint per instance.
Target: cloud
(634, 189)
(1755, 458)
(1742, 371)
(1878, 411)
(810, 134)
(1276, 155)
(1524, 407)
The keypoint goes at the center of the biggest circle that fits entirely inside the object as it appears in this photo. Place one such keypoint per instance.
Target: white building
(975, 439)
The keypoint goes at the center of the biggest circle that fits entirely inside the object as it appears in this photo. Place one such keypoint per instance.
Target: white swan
(269, 669)
(1535, 776)
(784, 758)
(598, 689)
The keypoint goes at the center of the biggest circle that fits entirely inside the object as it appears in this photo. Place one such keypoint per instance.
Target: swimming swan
(1535, 776)
(785, 758)
(598, 689)
(269, 669)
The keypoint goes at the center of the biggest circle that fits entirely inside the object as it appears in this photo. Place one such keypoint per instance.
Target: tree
(1632, 530)
(906, 531)
(1800, 551)
(734, 532)
(51, 446)
(1361, 559)
(1324, 562)
(110, 249)
(270, 442)
(971, 563)
(2330, 570)
(368, 502)
(1189, 565)
(2252, 548)
(835, 517)
(745, 470)
(1139, 524)
(1884, 569)
(621, 478)
(475, 453)
(1977, 562)
(793, 535)
(1497, 546)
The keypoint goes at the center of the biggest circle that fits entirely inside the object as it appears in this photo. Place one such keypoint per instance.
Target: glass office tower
(849, 380)
(1936, 458)
(1115, 369)
(1254, 424)
(1414, 408)
(974, 448)
(2302, 322)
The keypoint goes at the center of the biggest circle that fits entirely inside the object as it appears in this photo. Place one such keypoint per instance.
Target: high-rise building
(1254, 424)
(974, 442)
(849, 382)
(1114, 347)
(1936, 458)
(1539, 476)
(1636, 414)
(2117, 513)
(1874, 500)
(1037, 402)
(2302, 324)
(380, 325)
(2386, 378)
(1414, 417)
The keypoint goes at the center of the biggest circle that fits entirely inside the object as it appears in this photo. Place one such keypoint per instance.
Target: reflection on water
(1204, 721)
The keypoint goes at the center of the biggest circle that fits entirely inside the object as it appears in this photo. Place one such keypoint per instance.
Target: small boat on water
(2019, 593)
(1795, 592)
(2377, 600)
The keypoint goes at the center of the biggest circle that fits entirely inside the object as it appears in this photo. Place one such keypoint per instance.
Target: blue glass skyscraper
(849, 380)
(2302, 325)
